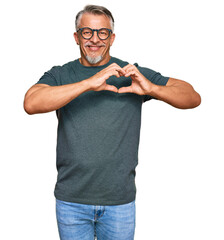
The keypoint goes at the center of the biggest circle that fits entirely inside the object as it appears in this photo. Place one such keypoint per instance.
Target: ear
(76, 37)
(112, 38)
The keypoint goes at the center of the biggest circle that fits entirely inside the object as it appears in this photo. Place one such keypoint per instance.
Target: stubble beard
(94, 60)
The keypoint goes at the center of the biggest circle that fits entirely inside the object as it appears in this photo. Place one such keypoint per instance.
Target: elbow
(28, 107)
(196, 100)
(31, 106)
(189, 103)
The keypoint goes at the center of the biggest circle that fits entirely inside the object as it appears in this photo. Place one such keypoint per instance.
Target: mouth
(93, 47)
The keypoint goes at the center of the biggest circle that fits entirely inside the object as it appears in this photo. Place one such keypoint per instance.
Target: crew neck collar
(93, 67)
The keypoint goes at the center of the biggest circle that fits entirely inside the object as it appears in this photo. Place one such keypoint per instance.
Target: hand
(98, 81)
(140, 85)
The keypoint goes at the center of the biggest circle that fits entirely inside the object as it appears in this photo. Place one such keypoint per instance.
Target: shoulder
(67, 66)
(145, 70)
(62, 69)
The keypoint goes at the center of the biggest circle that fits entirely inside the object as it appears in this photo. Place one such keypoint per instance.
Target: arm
(177, 93)
(42, 98)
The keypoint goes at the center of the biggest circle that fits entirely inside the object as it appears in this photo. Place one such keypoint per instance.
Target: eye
(104, 32)
(86, 32)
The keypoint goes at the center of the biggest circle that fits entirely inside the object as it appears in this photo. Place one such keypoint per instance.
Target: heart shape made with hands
(139, 85)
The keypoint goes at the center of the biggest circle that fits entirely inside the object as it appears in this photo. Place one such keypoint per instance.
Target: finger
(121, 71)
(129, 67)
(111, 88)
(125, 89)
(111, 73)
(117, 68)
(131, 73)
(121, 74)
(116, 73)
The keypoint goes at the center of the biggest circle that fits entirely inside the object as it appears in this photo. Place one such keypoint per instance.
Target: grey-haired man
(98, 100)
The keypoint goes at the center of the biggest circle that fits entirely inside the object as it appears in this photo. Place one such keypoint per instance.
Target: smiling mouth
(94, 47)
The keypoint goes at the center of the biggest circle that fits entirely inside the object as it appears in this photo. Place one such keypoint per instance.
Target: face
(94, 52)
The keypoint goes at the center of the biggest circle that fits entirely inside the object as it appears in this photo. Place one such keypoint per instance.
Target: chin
(94, 60)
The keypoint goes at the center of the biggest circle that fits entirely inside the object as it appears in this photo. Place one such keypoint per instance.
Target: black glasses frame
(95, 30)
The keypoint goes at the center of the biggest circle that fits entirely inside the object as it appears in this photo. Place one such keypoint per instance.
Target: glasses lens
(86, 33)
(103, 33)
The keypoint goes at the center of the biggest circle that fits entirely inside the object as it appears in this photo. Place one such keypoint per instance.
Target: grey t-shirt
(98, 137)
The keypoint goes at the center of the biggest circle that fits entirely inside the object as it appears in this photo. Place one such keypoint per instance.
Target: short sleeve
(154, 77)
(50, 77)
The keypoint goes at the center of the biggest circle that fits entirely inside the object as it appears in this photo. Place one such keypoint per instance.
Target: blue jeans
(84, 222)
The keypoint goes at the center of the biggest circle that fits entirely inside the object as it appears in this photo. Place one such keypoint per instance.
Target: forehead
(94, 21)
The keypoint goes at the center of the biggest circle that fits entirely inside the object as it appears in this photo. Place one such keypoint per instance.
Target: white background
(180, 173)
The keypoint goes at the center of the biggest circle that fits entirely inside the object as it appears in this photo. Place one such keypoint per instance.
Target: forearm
(179, 94)
(46, 98)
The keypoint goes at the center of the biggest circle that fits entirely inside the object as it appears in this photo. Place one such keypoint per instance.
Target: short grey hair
(96, 10)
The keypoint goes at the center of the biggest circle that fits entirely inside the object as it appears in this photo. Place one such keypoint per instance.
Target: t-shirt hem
(94, 202)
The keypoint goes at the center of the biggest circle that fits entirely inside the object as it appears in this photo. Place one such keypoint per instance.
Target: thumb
(111, 88)
(125, 90)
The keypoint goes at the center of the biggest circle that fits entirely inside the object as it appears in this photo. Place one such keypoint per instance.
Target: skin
(96, 22)
(42, 98)
(177, 93)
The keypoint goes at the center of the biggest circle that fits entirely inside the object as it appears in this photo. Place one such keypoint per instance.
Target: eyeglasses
(102, 33)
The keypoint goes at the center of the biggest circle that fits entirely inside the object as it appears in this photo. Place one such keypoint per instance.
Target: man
(98, 101)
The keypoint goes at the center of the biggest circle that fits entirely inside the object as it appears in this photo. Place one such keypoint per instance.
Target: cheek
(107, 46)
(82, 46)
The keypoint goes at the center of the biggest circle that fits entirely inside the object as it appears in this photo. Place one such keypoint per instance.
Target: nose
(95, 37)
